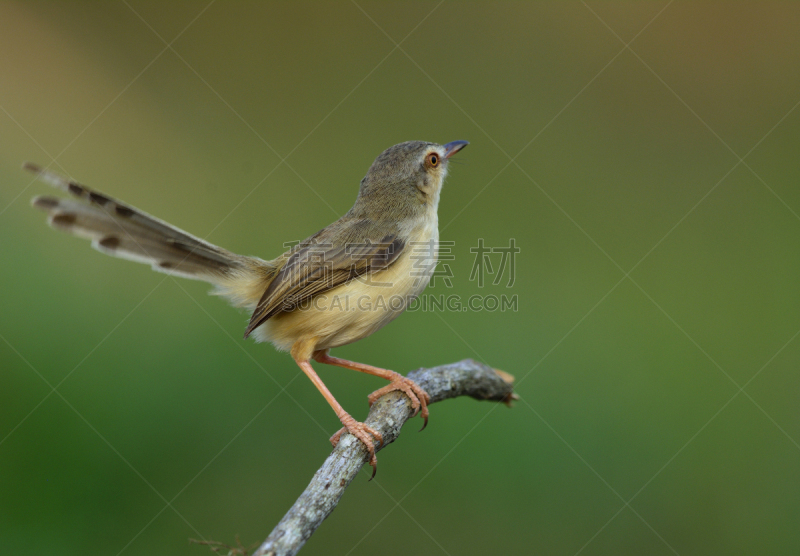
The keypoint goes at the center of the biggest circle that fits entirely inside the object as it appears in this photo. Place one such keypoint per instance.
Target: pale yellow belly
(358, 308)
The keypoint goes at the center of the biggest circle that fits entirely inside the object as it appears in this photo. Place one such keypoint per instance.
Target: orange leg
(419, 397)
(361, 431)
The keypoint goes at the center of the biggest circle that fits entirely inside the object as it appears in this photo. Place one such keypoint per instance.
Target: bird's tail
(123, 231)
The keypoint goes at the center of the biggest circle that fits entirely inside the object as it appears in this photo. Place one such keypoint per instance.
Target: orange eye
(432, 160)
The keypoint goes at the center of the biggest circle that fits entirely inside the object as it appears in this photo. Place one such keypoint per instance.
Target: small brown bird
(339, 285)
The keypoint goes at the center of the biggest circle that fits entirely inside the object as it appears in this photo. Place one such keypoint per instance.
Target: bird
(337, 286)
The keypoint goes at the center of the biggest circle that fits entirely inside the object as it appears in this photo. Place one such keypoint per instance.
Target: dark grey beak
(453, 147)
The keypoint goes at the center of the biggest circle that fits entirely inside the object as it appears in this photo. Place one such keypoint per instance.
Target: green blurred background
(659, 410)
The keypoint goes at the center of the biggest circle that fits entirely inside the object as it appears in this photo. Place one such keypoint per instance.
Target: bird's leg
(419, 397)
(367, 435)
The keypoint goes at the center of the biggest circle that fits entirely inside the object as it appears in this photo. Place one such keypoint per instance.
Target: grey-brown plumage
(338, 286)
(319, 266)
(124, 231)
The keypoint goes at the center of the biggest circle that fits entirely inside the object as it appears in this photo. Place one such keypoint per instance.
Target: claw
(419, 397)
(373, 461)
(364, 433)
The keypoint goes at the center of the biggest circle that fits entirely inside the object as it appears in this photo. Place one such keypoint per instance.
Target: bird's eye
(432, 160)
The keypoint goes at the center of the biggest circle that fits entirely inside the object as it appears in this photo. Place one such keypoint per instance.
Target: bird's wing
(340, 253)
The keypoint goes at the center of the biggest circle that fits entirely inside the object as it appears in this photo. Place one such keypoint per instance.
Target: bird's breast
(362, 306)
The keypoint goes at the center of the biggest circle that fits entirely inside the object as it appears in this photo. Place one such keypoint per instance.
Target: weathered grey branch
(387, 416)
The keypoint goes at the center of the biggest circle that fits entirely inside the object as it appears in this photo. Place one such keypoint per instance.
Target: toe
(378, 436)
(335, 438)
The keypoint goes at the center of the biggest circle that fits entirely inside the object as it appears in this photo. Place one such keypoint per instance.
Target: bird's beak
(453, 147)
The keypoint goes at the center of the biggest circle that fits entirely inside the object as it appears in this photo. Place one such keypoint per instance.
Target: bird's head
(406, 179)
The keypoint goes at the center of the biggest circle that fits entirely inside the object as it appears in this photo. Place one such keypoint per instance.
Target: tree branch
(387, 416)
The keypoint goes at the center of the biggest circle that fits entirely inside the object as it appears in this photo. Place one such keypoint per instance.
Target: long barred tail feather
(121, 230)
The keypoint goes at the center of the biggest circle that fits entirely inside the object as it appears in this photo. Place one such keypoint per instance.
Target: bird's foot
(419, 397)
(366, 434)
